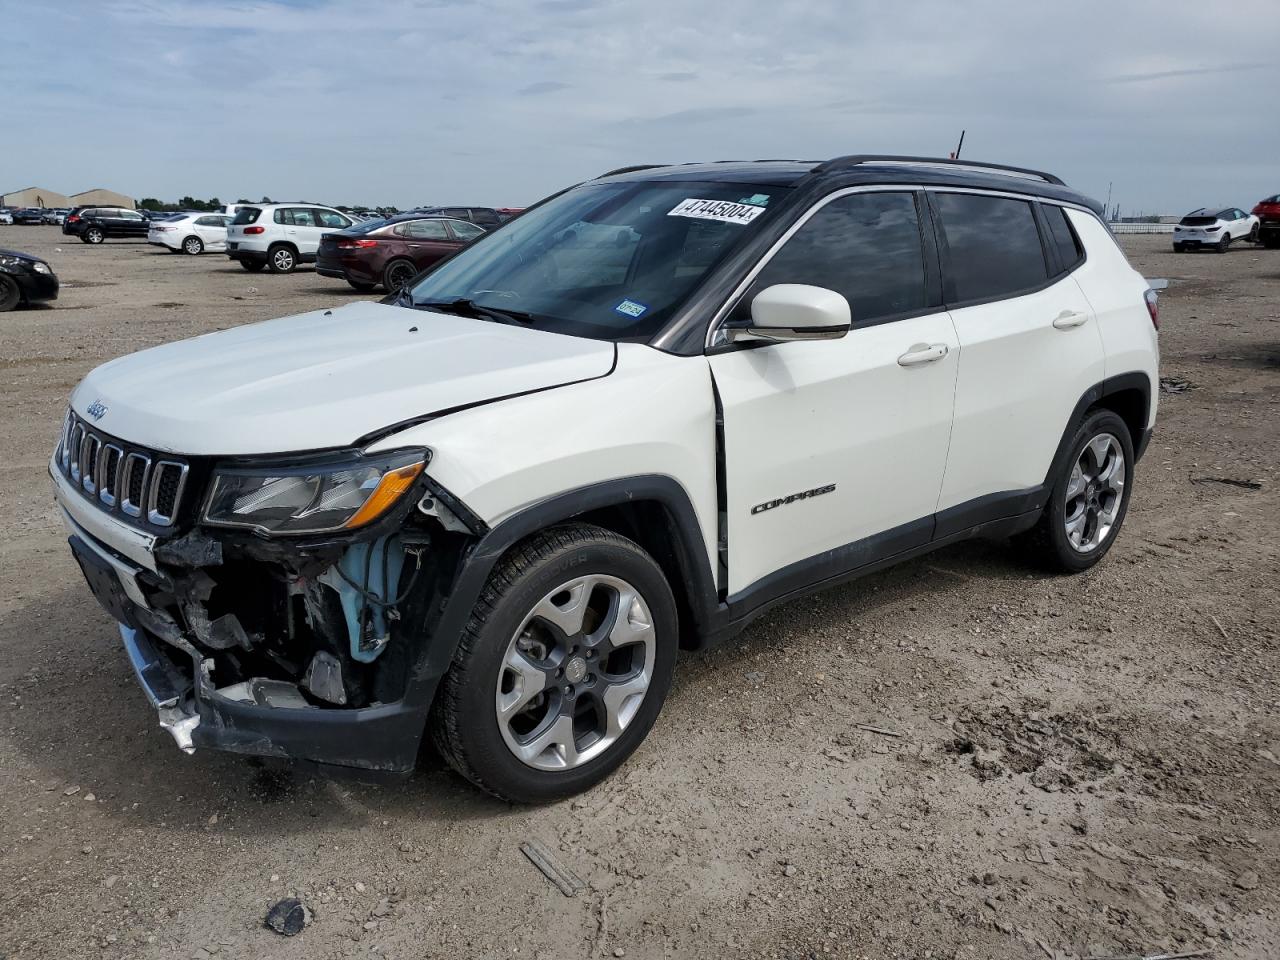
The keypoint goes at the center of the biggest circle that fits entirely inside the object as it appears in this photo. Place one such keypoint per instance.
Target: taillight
(73, 219)
(255, 230)
(356, 244)
(1153, 307)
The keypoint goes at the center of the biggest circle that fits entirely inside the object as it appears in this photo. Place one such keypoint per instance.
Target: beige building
(100, 198)
(37, 197)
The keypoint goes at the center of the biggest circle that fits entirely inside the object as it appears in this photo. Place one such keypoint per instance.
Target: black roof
(857, 170)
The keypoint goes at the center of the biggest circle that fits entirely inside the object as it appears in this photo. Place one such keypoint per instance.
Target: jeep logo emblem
(97, 410)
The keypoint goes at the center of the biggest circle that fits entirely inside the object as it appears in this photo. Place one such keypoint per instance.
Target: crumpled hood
(323, 379)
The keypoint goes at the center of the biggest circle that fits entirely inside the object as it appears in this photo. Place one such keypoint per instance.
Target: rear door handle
(1069, 318)
(923, 353)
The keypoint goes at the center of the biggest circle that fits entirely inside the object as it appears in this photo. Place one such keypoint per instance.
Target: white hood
(323, 379)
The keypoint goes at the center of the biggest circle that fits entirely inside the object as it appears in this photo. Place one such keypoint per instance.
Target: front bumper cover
(263, 719)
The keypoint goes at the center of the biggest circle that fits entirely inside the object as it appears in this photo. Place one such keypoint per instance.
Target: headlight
(41, 267)
(315, 498)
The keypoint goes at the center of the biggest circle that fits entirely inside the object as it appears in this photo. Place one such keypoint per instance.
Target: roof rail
(631, 169)
(853, 160)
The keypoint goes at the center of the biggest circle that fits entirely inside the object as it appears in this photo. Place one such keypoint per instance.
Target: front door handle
(1069, 318)
(923, 353)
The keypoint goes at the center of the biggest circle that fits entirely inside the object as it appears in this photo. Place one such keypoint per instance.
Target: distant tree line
(213, 203)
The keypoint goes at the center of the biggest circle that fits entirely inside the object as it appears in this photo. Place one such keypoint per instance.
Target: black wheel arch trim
(1134, 380)
(481, 557)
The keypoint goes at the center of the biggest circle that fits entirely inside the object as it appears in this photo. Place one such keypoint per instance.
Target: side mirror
(794, 311)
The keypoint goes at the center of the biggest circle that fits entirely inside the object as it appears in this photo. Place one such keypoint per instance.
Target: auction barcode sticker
(722, 210)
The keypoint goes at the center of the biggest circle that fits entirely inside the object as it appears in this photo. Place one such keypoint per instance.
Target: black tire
(360, 285)
(1271, 240)
(253, 266)
(193, 246)
(1179, 248)
(1253, 233)
(1225, 243)
(1046, 544)
(94, 235)
(282, 258)
(10, 295)
(464, 723)
(397, 273)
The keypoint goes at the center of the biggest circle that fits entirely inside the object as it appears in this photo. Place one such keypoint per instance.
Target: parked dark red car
(1268, 213)
(391, 252)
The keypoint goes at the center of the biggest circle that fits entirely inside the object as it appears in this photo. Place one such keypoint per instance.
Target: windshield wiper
(464, 307)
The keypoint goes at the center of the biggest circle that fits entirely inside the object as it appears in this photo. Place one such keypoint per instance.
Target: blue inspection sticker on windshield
(629, 308)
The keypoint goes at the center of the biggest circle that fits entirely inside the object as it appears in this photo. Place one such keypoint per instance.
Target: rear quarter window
(993, 247)
(1064, 239)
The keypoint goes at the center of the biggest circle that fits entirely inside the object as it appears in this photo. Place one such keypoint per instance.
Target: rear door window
(865, 246)
(1062, 237)
(993, 245)
(427, 230)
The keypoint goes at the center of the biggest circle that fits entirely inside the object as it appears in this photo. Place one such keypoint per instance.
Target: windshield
(611, 261)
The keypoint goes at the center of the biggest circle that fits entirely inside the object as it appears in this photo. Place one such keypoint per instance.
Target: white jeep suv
(280, 235)
(493, 508)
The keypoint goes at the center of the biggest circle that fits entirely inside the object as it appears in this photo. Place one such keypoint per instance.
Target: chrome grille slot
(77, 441)
(133, 483)
(89, 450)
(121, 478)
(108, 472)
(166, 490)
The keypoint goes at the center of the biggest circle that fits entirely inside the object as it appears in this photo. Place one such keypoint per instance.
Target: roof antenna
(955, 155)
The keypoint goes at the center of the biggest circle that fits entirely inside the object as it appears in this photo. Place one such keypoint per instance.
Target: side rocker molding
(479, 561)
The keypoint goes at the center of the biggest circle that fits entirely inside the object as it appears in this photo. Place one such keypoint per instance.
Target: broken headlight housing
(321, 497)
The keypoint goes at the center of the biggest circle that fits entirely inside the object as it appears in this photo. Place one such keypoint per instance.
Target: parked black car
(95, 224)
(28, 215)
(25, 279)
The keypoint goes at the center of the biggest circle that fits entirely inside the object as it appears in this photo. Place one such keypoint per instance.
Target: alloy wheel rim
(1094, 493)
(284, 259)
(193, 246)
(399, 277)
(575, 673)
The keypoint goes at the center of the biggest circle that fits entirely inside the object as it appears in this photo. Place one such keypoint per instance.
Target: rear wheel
(1089, 498)
(282, 259)
(1253, 233)
(562, 669)
(360, 285)
(253, 266)
(397, 274)
(94, 235)
(193, 246)
(9, 293)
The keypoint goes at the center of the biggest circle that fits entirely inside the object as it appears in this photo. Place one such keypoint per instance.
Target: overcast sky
(498, 103)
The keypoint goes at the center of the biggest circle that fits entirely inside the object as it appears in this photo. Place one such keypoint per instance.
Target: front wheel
(562, 668)
(1225, 243)
(1089, 498)
(1253, 233)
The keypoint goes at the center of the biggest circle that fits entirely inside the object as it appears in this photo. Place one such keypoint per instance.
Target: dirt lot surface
(1079, 767)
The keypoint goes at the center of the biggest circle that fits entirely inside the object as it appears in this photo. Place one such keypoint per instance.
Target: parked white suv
(1213, 228)
(280, 235)
(627, 422)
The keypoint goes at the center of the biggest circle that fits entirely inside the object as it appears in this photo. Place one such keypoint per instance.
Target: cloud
(542, 86)
(378, 103)
(1185, 72)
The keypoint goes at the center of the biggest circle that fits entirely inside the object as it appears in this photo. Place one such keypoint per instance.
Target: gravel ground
(1079, 767)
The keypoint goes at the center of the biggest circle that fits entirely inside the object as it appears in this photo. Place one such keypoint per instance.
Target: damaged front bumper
(267, 718)
(263, 649)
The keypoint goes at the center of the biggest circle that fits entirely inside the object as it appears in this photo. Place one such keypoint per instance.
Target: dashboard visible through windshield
(610, 261)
